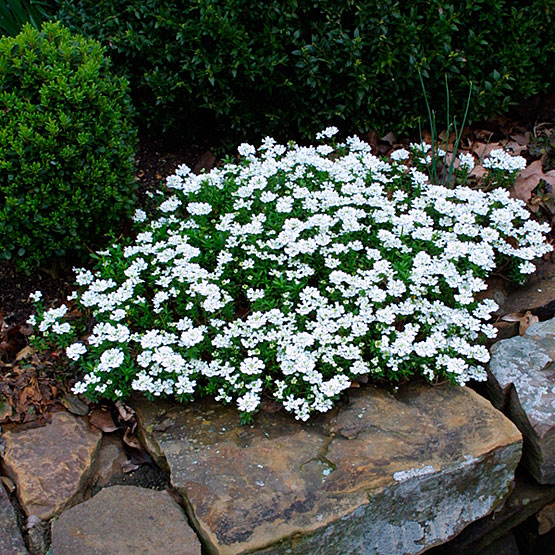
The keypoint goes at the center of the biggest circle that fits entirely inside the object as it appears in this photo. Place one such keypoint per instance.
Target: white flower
(527, 268)
(501, 160)
(61, 329)
(246, 150)
(75, 351)
(170, 205)
(466, 161)
(252, 366)
(139, 216)
(36, 296)
(400, 154)
(327, 133)
(83, 277)
(199, 208)
(255, 294)
(324, 150)
(112, 358)
(249, 402)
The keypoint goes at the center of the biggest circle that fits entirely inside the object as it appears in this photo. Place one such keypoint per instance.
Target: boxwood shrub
(249, 68)
(67, 141)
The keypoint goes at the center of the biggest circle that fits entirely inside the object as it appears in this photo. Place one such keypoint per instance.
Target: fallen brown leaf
(25, 353)
(521, 138)
(514, 147)
(131, 440)
(125, 412)
(8, 484)
(5, 410)
(527, 320)
(388, 138)
(481, 150)
(128, 467)
(205, 163)
(478, 172)
(103, 420)
(513, 317)
(529, 179)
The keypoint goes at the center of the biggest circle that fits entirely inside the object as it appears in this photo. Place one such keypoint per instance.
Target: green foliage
(66, 145)
(15, 13)
(288, 68)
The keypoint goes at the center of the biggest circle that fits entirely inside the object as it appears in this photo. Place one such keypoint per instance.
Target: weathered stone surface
(521, 380)
(110, 459)
(546, 519)
(124, 520)
(52, 464)
(11, 542)
(385, 474)
(526, 499)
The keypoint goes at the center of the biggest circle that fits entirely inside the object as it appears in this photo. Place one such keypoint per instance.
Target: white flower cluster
(501, 160)
(293, 273)
(466, 161)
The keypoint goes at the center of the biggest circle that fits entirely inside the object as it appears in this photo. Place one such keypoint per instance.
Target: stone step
(386, 473)
(124, 520)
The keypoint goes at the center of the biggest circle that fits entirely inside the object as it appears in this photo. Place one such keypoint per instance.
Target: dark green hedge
(67, 141)
(247, 68)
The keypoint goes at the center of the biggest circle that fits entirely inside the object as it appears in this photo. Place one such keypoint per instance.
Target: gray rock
(124, 520)
(521, 381)
(110, 460)
(51, 465)
(385, 474)
(526, 499)
(11, 542)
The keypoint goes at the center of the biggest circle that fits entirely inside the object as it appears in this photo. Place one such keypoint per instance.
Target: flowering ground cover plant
(293, 273)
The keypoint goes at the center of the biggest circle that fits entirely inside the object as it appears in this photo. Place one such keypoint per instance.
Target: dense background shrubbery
(287, 68)
(66, 145)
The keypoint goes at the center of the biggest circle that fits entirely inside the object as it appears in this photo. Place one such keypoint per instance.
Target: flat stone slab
(51, 465)
(388, 473)
(11, 542)
(124, 520)
(521, 381)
